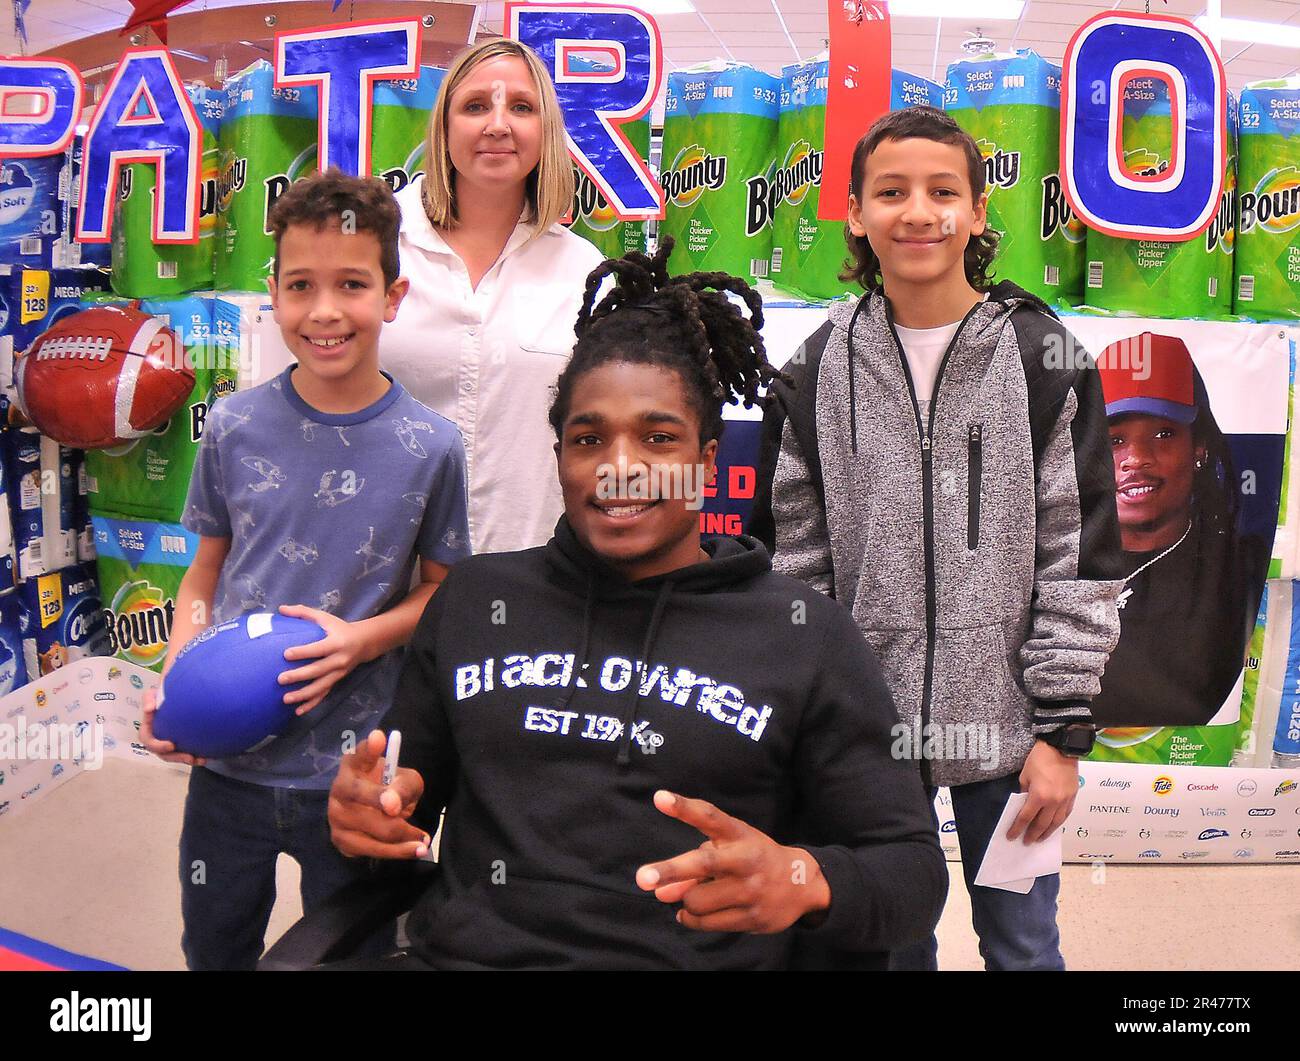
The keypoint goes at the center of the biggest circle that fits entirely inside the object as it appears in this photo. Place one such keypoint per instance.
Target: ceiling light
(996, 10)
(1251, 31)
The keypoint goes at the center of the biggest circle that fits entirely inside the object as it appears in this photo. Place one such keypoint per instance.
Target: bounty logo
(1274, 205)
(1057, 214)
(693, 171)
(230, 180)
(1222, 233)
(1001, 168)
(277, 185)
(139, 623)
(788, 182)
(17, 190)
(1143, 162)
(590, 204)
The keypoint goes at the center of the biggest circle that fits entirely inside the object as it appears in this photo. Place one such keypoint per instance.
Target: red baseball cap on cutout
(1169, 389)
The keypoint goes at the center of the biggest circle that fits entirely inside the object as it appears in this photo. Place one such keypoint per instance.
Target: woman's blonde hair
(549, 187)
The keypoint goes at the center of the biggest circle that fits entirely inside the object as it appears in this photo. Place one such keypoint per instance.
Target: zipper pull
(975, 431)
(925, 448)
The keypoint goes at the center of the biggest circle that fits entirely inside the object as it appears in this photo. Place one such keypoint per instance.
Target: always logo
(692, 172)
(789, 182)
(1274, 204)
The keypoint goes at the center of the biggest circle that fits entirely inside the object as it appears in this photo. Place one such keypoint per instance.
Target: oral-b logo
(1261, 812)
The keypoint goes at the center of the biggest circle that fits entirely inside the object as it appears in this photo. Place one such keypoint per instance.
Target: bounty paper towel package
(808, 254)
(1011, 105)
(400, 125)
(1158, 279)
(66, 620)
(149, 477)
(594, 219)
(268, 140)
(144, 269)
(1268, 235)
(29, 210)
(719, 148)
(141, 564)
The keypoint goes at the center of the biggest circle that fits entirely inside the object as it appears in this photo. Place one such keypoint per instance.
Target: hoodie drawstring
(853, 397)
(634, 687)
(580, 660)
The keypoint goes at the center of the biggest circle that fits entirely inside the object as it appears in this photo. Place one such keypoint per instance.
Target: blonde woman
(496, 284)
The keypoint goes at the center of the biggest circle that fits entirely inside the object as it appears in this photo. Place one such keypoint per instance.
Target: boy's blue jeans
(1015, 931)
(232, 833)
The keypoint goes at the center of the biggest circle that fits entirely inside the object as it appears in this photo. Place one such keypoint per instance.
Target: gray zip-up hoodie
(979, 549)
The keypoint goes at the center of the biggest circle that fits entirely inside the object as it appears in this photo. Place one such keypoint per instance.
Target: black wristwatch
(1075, 740)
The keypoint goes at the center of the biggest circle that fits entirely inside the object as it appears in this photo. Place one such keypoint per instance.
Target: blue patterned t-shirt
(331, 511)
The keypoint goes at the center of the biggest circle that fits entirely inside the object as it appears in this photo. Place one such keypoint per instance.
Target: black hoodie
(761, 696)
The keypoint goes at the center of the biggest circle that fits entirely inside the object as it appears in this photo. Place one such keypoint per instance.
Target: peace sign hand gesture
(739, 879)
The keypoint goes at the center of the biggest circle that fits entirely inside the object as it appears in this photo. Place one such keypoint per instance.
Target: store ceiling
(766, 33)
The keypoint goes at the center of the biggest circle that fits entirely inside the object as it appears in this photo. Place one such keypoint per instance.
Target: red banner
(857, 95)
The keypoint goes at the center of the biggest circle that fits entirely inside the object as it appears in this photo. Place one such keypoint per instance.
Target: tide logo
(1274, 204)
(693, 172)
(1162, 785)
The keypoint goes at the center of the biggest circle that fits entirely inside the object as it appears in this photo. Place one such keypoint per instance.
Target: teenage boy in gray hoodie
(940, 464)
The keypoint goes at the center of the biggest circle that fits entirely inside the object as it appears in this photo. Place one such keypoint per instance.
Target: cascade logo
(139, 621)
(1001, 168)
(1058, 215)
(1162, 785)
(693, 171)
(1274, 205)
(1222, 233)
(1192, 786)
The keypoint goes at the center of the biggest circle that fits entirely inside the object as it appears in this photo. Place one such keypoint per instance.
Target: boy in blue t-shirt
(314, 493)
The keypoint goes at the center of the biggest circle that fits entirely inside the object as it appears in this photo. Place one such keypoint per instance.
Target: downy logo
(1001, 168)
(139, 623)
(1274, 205)
(692, 171)
(789, 182)
(1057, 213)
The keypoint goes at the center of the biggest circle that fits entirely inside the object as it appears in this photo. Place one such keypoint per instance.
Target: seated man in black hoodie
(588, 712)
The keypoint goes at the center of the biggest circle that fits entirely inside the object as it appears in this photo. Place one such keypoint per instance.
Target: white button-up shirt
(487, 359)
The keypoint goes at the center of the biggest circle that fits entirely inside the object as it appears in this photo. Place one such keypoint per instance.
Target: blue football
(222, 695)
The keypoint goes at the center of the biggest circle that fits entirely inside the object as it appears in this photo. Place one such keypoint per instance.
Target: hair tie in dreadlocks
(684, 323)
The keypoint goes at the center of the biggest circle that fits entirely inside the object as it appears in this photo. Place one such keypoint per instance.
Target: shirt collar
(419, 229)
